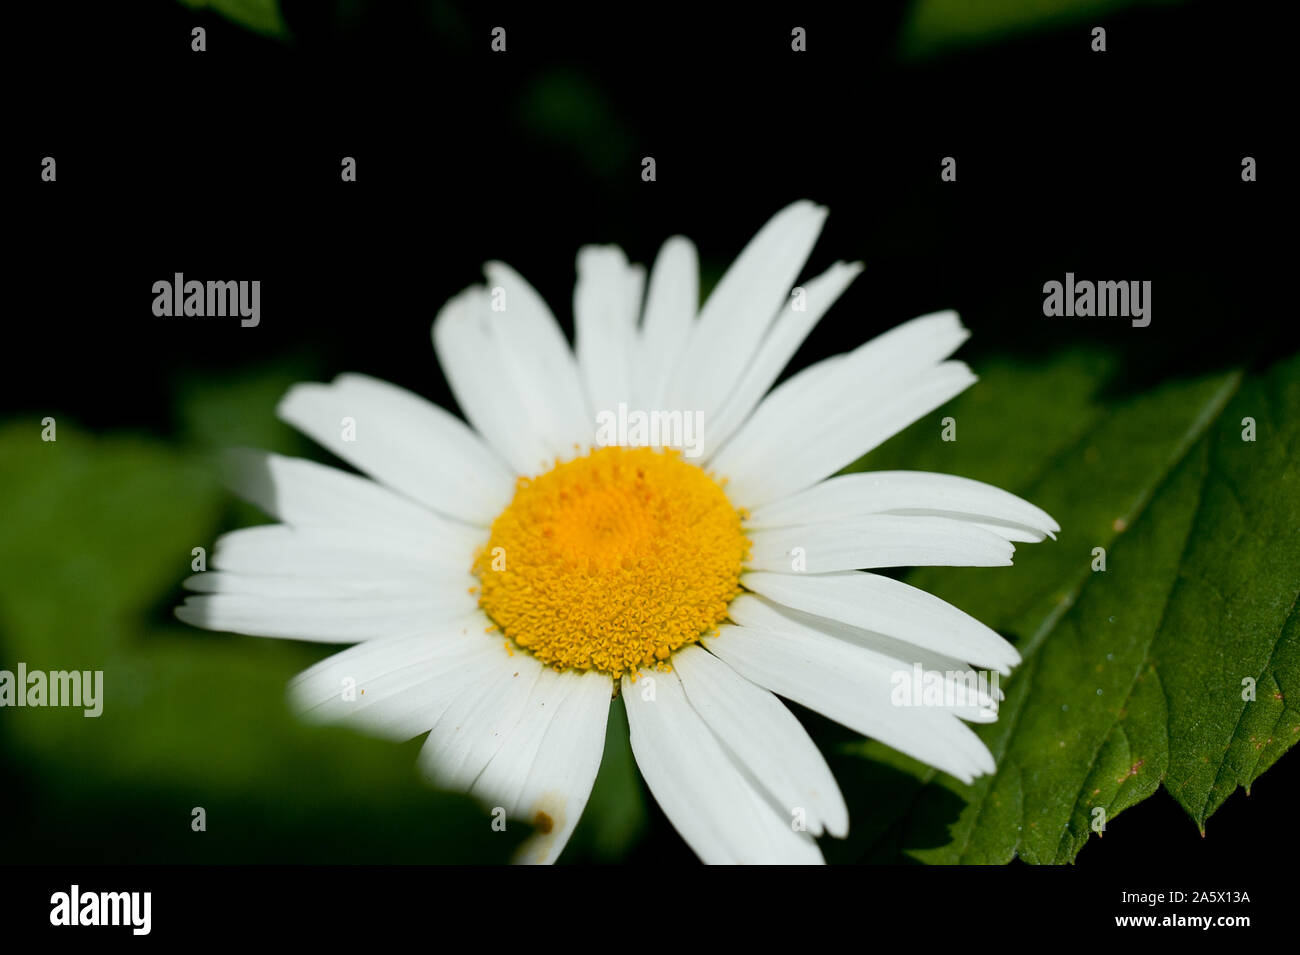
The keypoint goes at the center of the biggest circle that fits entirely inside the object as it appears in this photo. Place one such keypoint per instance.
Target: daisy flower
(501, 580)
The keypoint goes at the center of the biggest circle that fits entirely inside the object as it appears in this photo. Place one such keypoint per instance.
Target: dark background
(1124, 164)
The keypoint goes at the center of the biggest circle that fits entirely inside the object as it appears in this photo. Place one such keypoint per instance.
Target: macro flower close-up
(653, 512)
(444, 436)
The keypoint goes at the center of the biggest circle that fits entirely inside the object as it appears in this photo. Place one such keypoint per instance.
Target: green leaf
(1132, 677)
(104, 528)
(259, 16)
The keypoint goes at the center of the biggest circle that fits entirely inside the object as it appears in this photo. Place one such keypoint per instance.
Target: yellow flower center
(613, 560)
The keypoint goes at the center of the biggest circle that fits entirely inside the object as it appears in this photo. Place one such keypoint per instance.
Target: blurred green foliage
(929, 26)
(259, 16)
(565, 109)
(616, 815)
(936, 26)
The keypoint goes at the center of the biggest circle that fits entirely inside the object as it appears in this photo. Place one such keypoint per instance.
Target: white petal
(544, 771)
(909, 492)
(863, 397)
(757, 611)
(787, 334)
(471, 360)
(671, 302)
(606, 303)
(751, 610)
(476, 725)
(708, 800)
(764, 737)
(833, 423)
(540, 364)
(410, 586)
(841, 682)
(891, 607)
(397, 687)
(737, 314)
(881, 364)
(403, 441)
(877, 540)
(280, 550)
(339, 619)
(304, 493)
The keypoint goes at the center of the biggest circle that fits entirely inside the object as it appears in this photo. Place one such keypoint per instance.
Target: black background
(226, 164)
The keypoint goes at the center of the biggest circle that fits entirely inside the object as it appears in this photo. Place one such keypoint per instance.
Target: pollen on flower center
(613, 560)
